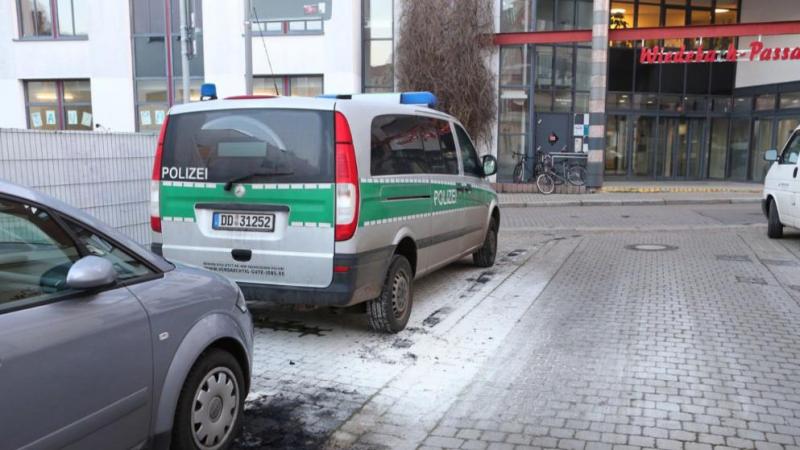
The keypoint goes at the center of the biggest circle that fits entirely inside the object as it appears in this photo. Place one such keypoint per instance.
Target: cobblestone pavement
(574, 340)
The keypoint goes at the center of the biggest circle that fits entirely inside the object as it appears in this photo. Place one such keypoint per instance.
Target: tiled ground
(571, 341)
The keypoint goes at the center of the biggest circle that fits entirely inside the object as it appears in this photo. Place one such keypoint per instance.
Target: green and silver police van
(333, 201)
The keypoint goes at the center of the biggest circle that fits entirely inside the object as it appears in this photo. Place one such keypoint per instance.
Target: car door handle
(460, 187)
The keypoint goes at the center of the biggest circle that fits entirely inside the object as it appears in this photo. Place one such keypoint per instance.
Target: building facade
(694, 89)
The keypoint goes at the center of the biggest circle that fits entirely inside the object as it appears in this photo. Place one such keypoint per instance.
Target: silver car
(104, 345)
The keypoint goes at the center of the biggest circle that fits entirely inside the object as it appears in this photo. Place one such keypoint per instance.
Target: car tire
(486, 255)
(774, 225)
(216, 372)
(389, 313)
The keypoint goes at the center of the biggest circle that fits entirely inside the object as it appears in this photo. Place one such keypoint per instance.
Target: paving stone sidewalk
(695, 347)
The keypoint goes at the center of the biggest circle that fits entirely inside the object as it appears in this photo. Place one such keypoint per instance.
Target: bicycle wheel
(576, 175)
(519, 172)
(546, 183)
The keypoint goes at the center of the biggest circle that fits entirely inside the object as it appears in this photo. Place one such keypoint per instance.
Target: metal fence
(105, 174)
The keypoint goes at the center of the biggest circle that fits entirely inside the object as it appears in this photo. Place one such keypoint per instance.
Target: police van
(332, 201)
(781, 198)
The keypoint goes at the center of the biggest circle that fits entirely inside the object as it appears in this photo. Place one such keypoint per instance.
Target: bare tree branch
(444, 48)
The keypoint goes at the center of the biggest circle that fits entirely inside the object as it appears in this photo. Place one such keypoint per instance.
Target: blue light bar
(208, 91)
(418, 98)
(403, 98)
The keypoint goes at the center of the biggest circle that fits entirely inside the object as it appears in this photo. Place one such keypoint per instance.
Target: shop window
(515, 15)
(296, 85)
(563, 14)
(622, 15)
(790, 100)
(59, 105)
(514, 65)
(53, 19)
(739, 148)
(765, 102)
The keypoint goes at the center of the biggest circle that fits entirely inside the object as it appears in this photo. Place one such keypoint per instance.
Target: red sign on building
(756, 52)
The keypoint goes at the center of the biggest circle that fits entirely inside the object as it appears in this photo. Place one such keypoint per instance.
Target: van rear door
(249, 193)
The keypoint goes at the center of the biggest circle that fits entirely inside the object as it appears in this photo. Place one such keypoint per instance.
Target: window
(469, 157)
(562, 71)
(272, 146)
(378, 45)
(563, 14)
(157, 79)
(126, 266)
(792, 152)
(396, 146)
(35, 253)
(298, 85)
(440, 148)
(288, 27)
(53, 19)
(59, 105)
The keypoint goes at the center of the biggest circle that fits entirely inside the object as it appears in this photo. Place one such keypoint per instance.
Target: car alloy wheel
(215, 410)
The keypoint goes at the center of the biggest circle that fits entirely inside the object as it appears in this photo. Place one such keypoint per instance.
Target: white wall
(104, 58)
(336, 54)
(768, 72)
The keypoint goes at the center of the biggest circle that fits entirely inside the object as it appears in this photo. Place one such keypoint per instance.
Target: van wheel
(487, 253)
(774, 225)
(389, 313)
(211, 404)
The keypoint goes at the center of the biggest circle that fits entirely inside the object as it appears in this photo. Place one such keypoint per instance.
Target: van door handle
(462, 187)
(241, 255)
(795, 172)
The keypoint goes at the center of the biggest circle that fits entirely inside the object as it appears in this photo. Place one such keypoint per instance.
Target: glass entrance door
(683, 144)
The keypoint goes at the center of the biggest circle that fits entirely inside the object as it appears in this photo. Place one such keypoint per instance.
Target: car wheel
(774, 225)
(389, 312)
(211, 404)
(487, 253)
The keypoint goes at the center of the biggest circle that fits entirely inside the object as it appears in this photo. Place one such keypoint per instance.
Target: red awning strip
(636, 34)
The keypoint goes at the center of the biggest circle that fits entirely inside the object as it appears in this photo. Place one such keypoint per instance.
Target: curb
(653, 202)
(676, 190)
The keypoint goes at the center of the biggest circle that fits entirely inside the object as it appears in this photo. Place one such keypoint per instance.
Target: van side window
(792, 152)
(397, 146)
(440, 148)
(469, 156)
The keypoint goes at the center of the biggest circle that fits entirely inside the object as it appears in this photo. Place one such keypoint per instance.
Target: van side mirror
(489, 165)
(771, 155)
(91, 272)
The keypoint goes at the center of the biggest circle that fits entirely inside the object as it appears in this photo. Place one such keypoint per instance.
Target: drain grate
(734, 258)
(751, 280)
(651, 247)
(780, 262)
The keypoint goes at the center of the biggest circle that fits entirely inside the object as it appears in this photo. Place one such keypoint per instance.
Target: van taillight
(347, 194)
(155, 181)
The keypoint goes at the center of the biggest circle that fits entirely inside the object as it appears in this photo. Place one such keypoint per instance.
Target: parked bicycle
(554, 174)
(521, 169)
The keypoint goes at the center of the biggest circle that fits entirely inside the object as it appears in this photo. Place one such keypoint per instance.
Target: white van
(323, 201)
(781, 198)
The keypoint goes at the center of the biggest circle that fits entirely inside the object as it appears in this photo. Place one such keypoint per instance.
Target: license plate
(243, 222)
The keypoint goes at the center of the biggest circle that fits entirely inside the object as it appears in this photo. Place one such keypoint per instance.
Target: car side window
(127, 266)
(469, 156)
(35, 254)
(792, 152)
(440, 148)
(397, 146)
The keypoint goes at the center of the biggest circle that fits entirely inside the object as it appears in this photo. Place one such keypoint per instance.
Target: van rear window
(250, 145)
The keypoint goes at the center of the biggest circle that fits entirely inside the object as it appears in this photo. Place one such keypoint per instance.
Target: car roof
(314, 103)
(8, 188)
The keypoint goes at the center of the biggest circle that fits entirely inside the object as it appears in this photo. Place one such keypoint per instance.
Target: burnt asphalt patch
(297, 419)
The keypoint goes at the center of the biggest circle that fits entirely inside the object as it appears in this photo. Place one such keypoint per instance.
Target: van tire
(485, 256)
(389, 313)
(774, 225)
